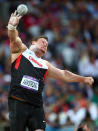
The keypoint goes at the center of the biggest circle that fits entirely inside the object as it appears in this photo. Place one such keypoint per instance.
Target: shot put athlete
(28, 72)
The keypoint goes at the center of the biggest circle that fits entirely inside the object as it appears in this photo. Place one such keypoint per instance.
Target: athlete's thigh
(37, 120)
(16, 116)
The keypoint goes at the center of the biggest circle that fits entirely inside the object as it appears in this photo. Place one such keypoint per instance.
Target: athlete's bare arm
(66, 75)
(16, 45)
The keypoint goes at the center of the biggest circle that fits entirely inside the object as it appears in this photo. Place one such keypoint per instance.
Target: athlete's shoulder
(15, 55)
(46, 62)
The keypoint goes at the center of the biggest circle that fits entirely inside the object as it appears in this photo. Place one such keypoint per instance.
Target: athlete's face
(40, 45)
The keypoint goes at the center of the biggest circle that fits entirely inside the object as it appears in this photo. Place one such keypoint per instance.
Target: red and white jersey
(28, 73)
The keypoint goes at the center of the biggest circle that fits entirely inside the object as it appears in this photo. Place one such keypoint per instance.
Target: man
(28, 72)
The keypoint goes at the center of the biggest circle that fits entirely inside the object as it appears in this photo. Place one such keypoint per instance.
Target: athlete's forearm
(12, 25)
(13, 35)
(71, 77)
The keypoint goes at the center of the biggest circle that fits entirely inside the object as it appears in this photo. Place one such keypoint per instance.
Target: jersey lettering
(30, 83)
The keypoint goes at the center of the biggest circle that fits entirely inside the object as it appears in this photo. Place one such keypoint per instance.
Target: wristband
(11, 27)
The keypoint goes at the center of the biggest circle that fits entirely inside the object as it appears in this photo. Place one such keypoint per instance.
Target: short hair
(36, 38)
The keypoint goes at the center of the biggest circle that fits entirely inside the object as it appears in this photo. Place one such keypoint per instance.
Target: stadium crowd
(72, 29)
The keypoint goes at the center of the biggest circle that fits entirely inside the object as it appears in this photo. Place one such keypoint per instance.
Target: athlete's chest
(34, 60)
(34, 71)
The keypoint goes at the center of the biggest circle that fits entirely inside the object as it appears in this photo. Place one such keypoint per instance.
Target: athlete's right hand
(14, 19)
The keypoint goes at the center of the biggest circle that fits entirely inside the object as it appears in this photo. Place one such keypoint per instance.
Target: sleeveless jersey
(28, 73)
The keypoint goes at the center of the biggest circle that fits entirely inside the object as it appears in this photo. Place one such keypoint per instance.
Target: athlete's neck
(35, 50)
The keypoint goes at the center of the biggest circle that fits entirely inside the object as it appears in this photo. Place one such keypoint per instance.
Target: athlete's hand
(14, 19)
(89, 80)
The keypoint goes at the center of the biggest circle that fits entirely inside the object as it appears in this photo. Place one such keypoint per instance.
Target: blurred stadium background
(72, 29)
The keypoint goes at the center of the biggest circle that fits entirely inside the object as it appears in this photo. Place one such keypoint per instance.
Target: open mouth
(43, 51)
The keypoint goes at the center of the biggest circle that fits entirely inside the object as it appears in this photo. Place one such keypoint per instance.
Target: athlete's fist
(89, 80)
(14, 19)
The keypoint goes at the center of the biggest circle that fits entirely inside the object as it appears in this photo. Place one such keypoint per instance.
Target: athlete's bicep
(17, 46)
(54, 72)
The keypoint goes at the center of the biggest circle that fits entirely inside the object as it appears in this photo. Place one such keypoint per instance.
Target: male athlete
(28, 72)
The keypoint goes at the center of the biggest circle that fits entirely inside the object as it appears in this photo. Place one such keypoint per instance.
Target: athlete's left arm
(66, 75)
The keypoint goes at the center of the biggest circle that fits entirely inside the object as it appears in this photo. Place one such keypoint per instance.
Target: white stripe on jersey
(35, 61)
